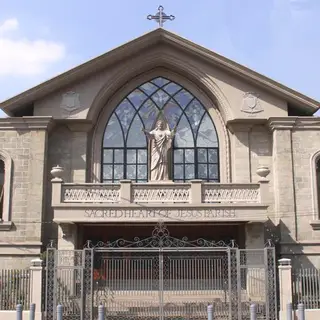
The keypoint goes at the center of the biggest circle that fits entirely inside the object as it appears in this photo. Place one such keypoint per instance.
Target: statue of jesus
(161, 142)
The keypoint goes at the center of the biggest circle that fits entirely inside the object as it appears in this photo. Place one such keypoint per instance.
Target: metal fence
(306, 288)
(14, 289)
(161, 277)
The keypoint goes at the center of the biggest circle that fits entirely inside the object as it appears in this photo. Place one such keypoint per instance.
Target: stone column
(255, 275)
(35, 286)
(285, 286)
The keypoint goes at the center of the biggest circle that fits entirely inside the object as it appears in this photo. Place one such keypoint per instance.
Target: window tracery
(195, 150)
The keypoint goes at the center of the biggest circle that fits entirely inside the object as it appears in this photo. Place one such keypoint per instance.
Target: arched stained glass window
(318, 183)
(195, 147)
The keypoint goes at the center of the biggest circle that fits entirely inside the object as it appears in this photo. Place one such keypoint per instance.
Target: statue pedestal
(161, 181)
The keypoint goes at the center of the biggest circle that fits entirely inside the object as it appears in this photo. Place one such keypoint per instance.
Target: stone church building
(159, 129)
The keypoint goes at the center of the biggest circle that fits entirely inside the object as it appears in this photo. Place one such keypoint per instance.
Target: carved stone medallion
(251, 103)
(70, 103)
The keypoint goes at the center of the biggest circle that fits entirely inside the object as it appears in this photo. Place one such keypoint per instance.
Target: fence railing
(14, 289)
(306, 288)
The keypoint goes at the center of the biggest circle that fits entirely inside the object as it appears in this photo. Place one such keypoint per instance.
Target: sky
(40, 39)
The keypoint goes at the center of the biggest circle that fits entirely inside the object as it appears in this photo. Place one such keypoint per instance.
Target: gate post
(285, 286)
(50, 294)
(36, 287)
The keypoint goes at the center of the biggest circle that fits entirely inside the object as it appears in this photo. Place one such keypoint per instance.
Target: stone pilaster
(79, 142)
(241, 153)
(284, 194)
(67, 236)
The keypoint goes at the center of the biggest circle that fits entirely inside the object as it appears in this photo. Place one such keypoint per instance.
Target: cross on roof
(160, 17)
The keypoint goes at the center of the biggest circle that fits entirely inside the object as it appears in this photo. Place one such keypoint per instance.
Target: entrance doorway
(161, 277)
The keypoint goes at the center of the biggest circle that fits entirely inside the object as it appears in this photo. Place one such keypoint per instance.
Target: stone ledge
(28, 248)
(6, 225)
(26, 123)
(315, 224)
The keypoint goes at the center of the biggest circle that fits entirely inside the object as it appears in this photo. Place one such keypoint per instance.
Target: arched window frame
(108, 102)
(191, 159)
(315, 159)
(5, 224)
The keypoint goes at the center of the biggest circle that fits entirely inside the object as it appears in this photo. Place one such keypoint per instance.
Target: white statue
(161, 142)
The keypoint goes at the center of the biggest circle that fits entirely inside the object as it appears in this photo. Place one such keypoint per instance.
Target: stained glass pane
(207, 135)
(202, 155)
(131, 156)
(171, 88)
(148, 112)
(125, 113)
(189, 171)
(172, 113)
(131, 172)
(160, 81)
(142, 156)
(160, 98)
(118, 171)
(178, 156)
(178, 171)
(107, 172)
(189, 155)
(148, 88)
(137, 97)
(113, 135)
(213, 171)
(213, 155)
(107, 156)
(142, 172)
(202, 171)
(194, 113)
(136, 138)
(118, 156)
(183, 97)
(183, 137)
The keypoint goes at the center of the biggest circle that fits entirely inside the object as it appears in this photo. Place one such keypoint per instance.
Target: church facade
(159, 129)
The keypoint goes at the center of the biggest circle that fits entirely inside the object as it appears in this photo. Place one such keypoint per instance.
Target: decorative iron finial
(160, 17)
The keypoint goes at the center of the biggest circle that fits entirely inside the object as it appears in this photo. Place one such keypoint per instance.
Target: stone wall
(27, 148)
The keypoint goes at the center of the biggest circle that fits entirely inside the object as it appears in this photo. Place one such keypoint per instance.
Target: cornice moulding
(244, 124)
(294, 123)
(26, 123)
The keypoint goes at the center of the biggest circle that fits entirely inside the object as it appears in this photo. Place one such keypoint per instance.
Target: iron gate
(161, 277)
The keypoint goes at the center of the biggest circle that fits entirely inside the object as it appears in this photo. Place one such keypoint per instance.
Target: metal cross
(160, 17)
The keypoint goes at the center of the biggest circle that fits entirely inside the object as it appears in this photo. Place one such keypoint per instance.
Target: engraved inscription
(155, 213)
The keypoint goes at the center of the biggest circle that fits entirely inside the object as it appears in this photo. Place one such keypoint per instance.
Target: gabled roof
(160, 35)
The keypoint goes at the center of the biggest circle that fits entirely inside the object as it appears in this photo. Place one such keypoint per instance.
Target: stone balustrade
(126, 192)
(128, 201)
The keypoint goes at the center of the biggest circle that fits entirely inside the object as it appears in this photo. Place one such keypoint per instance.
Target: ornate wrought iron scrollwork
(161, 238)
